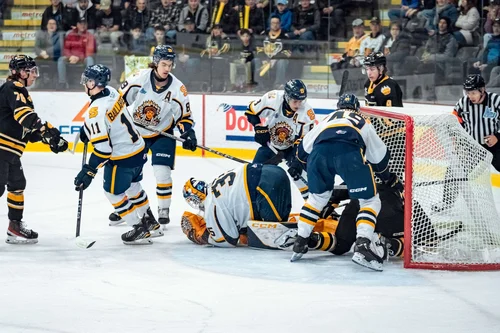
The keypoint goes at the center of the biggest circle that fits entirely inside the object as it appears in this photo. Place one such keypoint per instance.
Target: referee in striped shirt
(479, 114)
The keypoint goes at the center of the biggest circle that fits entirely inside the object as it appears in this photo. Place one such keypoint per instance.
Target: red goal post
(441, 166)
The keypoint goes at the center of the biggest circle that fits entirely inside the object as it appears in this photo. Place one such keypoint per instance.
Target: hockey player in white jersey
(250, 192)
(121, 150)
(158, 100)
(287, 118)
(347, 145)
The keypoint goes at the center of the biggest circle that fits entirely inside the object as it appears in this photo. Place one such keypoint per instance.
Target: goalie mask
(195, 192)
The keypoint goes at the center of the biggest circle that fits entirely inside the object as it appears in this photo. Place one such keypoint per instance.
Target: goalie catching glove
(195, 228)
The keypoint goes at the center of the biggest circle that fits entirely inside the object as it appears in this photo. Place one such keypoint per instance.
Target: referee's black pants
(12, 176)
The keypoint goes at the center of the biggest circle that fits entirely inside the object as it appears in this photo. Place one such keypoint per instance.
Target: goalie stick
(80, 242)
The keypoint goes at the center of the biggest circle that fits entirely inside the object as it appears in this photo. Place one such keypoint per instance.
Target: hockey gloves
(262, 135)
(190, 141)
(52, 137)
(394, 183)
(295, 169)
(84, 177)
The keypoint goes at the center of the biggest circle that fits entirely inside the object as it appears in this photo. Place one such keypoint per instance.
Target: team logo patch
(385, 90)
(142, 91)
(281, 135)
(272, 48)
(147, 114)
(93, 112)
(489, 113)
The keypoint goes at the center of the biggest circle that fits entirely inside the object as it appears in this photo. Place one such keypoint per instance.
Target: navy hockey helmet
(474, 82)
(295, 89)
(195, 192)
(163, 52)
(100, 74)
(22, 62)
(349, 102)
(375, 59)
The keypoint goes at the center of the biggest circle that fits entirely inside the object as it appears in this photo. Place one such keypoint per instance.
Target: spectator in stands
(245, 59)
(349, 58)
(332, 16)
(250, 18)
(79, 48)
(267, 8)
(198, 15)
(217, 48)
(137, 43)
(166, 15)
(49, 42)
(396, 47)
(66, 17)
(407, 10)
(372, 43)
(491, 53)
(493, 13)
(159, 38)
(276, 54)
(468, 23)
(88, 11)
(284, 14)
(305, 22)
(432, 16)
(224, 16)
(137, 16)
(439, 48)
(108, 24)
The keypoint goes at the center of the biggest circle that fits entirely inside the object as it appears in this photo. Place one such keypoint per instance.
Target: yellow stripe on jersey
(101, 138)
(373, 181)
(114, 158)
(247, 192)
(19, 112)
(19, 148)
(113, 178)
(101, 155)
(312, 208)
(270, 202)
(148, 136)
(12, 139)
(305, 219)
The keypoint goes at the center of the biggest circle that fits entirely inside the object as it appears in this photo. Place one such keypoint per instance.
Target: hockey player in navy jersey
(345, 144)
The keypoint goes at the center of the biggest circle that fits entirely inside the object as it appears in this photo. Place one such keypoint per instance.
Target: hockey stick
(213, 151)
(280, 154)
(79, 241)
(441, 182)
(343, 83)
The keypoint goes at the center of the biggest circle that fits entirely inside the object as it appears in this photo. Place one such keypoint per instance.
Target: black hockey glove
(52, 137)
(295, 169)
(35, 136)
(190, 141)
(83, 136)
(262, 135)
(394, 183)
(84, 177)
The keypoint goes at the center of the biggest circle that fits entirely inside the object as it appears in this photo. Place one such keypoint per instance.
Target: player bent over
(159, 101)
(19, 124)
(287, 117)
(250, 192)
(120, 148)
(345, 144)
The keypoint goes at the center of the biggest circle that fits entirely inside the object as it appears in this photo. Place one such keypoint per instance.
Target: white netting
(454, 220)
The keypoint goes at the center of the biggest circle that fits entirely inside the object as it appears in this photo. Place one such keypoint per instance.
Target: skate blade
(296, 256)
(157, 233)
(359, 259)
(144, 241)
(286, 240)
(20, 240)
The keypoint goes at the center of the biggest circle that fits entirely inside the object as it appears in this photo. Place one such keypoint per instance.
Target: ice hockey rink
(176, 286)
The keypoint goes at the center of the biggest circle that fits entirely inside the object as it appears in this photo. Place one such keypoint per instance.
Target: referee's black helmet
(474, 82)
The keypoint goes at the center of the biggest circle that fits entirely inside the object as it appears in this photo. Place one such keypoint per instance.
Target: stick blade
(84, 243)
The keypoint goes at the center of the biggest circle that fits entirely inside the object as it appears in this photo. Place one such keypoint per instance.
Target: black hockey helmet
(474, 82)
(100, 74)
(295, 89)
(20, 62)
(375, 59)
(163, 52)
(349, 102)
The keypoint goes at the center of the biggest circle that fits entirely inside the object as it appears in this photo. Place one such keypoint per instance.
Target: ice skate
(115, 219)
(369, 254)
(154, 227)
(139, 235)
(299, 248)
(163, 216)
(18, 233)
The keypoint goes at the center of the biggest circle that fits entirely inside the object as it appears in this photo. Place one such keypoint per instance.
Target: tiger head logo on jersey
(281, 135)
(148, 114)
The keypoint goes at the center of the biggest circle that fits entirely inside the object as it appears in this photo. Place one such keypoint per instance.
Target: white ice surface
(176, 286)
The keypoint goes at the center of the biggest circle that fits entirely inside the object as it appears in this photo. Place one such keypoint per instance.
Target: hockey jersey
(351, 128)
(159, 108)
(17, 117)
(110, 129)
(228, 205)
(386, 92)
(284, 131)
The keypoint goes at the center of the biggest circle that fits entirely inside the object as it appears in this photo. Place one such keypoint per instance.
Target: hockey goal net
(451, 221)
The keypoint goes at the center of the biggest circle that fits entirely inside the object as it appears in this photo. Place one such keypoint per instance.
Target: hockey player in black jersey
(19, 124)
(380, 89)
